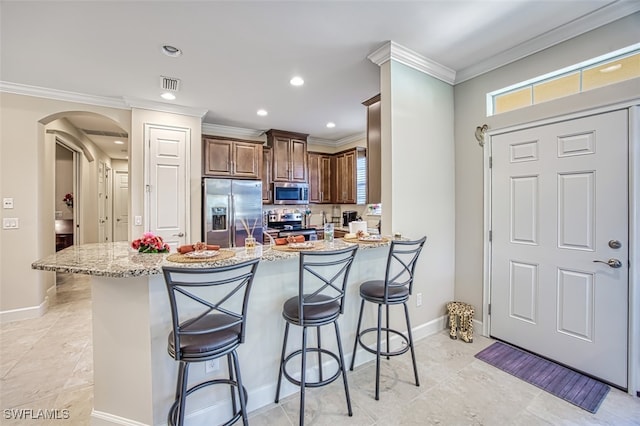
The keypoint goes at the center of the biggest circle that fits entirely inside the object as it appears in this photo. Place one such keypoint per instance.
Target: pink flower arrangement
(150, 243)
(68, 200)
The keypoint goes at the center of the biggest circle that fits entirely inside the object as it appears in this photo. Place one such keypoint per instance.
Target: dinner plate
(306, 244)
(205, 254)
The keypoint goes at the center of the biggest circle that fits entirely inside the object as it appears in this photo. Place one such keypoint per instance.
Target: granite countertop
(118, 260)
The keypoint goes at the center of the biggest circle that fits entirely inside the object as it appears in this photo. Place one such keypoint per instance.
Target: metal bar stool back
(395, 289)
(323, 277)
(208, 313)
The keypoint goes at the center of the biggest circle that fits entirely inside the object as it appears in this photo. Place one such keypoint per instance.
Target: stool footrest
(383, 353)
(236, 416)
(311, 384)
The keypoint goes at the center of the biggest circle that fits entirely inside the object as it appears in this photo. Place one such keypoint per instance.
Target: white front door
(167, 179)
(121, 206)
(559, 209)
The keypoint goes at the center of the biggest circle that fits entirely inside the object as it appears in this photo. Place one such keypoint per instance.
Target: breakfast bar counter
(134, 376)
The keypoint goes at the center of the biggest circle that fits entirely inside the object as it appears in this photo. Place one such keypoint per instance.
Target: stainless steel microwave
(290, 193)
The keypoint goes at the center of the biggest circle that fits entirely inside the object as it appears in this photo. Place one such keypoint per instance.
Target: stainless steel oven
(290, 193)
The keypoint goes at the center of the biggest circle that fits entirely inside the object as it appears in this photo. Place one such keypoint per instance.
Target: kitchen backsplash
(368, 212)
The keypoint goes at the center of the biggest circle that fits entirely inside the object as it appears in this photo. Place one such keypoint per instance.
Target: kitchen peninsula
(134, 377)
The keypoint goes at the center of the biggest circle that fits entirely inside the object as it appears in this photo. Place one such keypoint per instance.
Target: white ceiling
(239, 55)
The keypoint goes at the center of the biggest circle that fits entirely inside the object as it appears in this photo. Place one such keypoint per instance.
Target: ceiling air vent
(169, 83)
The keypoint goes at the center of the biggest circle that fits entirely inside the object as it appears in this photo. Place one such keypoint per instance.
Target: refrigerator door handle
(232, 220)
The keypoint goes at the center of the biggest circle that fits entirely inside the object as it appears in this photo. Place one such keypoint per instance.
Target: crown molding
(61, 95)
(339, 142)
(392, 50)
(164, 107)
(350, 139)
(604, 15)
(239, 132)
(103, 101)
(321, 141)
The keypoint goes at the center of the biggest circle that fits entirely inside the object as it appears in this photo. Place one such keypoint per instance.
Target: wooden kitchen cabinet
(232, 158)
(289, 156)
(351, 175)
(374, 150)
(267, 160)
(320, 176)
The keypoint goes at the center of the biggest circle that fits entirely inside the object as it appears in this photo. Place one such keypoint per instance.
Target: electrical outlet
(212, 365)
(419, 299)
(7, 203)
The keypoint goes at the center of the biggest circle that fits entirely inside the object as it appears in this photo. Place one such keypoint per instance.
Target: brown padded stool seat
(373, 291)
(325, 310)
(207, 343)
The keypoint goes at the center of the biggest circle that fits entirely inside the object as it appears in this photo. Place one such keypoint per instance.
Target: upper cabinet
(374, 148)
(320, 177)
(267, 160)
(351, 176)
(289, 155)
(232, 158)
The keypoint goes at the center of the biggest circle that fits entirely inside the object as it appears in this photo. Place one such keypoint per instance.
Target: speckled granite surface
(117, 260)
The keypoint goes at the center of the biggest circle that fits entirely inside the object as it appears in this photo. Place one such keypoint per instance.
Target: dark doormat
(573, 387)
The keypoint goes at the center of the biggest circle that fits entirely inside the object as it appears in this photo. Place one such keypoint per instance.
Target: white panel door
(121, 206)
(167, 184)
(102, 200)
(559, 204)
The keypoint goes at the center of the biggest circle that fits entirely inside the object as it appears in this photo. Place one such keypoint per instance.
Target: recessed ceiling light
(262, 112)
(296, 81)
(611, 68)
(168, 96)
(172, 51)
(331, 124)
(118, 142)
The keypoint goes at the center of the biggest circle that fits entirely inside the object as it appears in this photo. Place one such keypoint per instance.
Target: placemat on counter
(181, 258)
(356, 240)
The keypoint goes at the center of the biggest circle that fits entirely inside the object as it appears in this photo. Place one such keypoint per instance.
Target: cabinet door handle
(181, 234)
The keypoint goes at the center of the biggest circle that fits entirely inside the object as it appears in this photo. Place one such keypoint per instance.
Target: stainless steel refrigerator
(232, 209)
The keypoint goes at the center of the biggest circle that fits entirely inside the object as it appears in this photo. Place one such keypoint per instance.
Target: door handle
(613, 263)
(178, 235)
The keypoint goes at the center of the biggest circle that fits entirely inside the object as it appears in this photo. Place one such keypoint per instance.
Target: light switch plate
(137, 220)
(10, 223)
(7, 203)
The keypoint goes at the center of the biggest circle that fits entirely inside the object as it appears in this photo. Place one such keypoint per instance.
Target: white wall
(418, 178)
(27, 158)
(470, 112)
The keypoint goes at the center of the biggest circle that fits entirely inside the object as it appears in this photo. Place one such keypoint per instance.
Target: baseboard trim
(24, 313)
(100, 418)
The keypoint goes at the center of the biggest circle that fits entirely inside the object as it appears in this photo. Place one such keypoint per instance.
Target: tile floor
(46, 363)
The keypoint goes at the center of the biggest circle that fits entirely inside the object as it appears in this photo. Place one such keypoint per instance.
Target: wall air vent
(169, 83)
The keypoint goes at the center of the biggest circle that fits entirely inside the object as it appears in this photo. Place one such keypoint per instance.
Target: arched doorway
(102, 146)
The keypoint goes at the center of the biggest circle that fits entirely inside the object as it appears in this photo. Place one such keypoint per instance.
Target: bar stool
(320, 301)
(395, 289)
(207, 324)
